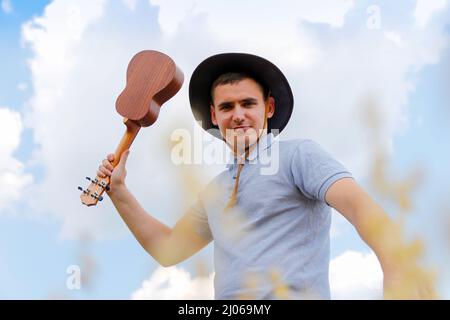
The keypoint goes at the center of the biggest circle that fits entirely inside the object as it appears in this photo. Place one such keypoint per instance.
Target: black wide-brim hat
(256, 67)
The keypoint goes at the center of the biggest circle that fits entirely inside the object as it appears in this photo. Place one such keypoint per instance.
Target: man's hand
(117, 174)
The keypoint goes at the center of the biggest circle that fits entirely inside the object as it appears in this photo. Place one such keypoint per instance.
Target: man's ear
(213, 115)
(271, 107)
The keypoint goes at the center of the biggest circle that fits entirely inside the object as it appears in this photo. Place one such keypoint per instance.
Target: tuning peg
(104, 185)
(94, 181)
(96, 196)
(84, 191)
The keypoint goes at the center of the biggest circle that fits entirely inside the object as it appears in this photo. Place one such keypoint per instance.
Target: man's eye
(247, 104)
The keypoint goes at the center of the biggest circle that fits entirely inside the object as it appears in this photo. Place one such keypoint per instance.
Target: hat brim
(263, 70)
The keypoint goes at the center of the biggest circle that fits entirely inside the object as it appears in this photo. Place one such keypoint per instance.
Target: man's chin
(241, 143)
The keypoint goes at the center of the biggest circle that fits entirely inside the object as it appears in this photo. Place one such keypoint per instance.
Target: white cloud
(81, 50)
(176, 284)
(394, 37)
(270, 30)
(234, 14)
(354, 275)
(7, 6)
(425, 9)
(357, 66)
(13, 179)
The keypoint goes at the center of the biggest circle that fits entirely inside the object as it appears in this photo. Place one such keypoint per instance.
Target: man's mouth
(243, 128)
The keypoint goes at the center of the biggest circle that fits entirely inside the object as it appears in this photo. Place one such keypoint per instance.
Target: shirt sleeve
(315, 170)
(199, 219)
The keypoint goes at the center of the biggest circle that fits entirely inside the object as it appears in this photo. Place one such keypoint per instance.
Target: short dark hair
(233, 77)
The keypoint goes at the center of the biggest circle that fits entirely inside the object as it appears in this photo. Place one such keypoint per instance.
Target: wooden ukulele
(152, 79)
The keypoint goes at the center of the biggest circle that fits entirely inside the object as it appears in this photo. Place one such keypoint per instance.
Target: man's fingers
(104, 170)
(107, 165)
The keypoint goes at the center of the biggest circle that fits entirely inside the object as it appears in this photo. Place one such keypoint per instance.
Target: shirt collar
(264, 142)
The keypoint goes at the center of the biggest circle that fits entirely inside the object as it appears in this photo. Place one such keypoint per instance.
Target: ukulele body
(159, 79)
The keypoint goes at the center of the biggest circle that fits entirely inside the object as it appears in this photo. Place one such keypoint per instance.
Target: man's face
(238, 110)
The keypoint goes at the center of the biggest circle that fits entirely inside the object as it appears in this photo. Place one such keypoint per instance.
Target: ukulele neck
(127, 139)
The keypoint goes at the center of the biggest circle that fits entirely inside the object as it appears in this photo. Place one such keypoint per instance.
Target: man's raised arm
(168, 246)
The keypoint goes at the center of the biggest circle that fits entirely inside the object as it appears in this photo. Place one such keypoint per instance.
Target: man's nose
(238, 113)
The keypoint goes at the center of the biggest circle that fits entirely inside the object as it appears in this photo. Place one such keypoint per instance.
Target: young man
(264, 226)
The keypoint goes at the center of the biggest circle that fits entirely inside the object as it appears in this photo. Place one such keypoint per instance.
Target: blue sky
(40, 238)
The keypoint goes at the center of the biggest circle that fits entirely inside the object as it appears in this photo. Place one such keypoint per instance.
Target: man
(270, 231)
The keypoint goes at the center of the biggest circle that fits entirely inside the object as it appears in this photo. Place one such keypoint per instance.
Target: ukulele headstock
(94, 191)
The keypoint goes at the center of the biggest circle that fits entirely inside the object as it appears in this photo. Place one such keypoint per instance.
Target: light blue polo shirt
(275, 243)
